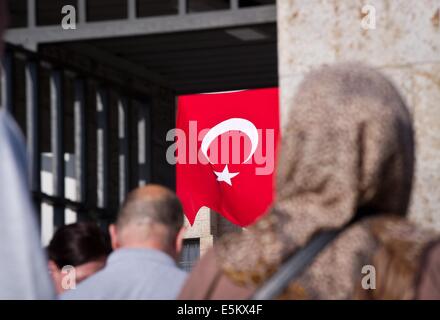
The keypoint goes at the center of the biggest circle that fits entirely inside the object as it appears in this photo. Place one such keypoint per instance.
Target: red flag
(226, 153)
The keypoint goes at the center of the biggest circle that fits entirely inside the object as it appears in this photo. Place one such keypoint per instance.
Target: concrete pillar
(405, 45)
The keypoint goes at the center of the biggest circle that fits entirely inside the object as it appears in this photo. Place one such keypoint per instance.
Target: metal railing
(103, 122)
(233, 15)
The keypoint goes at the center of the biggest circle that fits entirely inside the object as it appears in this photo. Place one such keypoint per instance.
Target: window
(17, 13)
(106, 10)
(207, 5)
(253, 3)
(49, 12)
(190, 253)
(156, 8)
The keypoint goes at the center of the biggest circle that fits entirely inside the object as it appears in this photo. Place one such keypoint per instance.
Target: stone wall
(203, 228)
(405, 45)
(208, 227)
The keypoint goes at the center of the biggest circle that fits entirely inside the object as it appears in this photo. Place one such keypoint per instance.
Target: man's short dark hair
(77, 243)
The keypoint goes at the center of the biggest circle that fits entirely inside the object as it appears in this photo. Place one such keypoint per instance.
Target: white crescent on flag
(232, 124)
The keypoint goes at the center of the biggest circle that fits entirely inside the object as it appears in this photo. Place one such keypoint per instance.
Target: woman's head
(347, 147)
(80, 245)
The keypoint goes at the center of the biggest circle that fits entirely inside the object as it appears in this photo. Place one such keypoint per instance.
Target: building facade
(96, 102)
(94, 85)
(403, 42)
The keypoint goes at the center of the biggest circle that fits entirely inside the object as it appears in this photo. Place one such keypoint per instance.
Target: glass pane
(190, 253)
(17, 13)
(49, 12)
(253, 3)
(147, 8)
(101, 10)
(207, 5)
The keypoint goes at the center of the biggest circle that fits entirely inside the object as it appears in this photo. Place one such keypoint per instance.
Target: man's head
(150, 217)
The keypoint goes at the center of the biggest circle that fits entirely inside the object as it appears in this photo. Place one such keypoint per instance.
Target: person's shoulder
(174, 273)
(199, 281)
(181, 274)
(429, 284)
(82, 291)
(90, 288)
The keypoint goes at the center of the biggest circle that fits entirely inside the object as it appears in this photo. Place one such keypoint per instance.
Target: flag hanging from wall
(225, 153)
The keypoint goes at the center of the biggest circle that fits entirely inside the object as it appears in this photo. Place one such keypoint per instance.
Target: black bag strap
(293, 267)
(301, 259)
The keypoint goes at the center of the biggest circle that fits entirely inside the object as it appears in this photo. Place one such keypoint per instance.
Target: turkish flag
(225, 149)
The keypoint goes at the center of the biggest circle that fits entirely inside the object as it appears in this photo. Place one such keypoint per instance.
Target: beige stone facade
(405, 45)
(208, 227)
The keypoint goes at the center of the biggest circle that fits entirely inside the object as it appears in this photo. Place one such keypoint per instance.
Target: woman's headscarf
(348, 146)
(23, 267)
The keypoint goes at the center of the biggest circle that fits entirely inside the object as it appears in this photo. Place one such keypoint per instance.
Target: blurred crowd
(346, 163)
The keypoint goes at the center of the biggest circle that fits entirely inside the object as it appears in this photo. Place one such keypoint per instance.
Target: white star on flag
(225, 175)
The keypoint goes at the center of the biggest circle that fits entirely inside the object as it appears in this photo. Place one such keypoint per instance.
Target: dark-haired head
(80, 245)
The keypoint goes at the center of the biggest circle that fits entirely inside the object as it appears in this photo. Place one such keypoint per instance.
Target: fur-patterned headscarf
(348, 145)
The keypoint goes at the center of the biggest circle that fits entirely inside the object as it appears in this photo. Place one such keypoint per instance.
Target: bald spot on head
(150, 206)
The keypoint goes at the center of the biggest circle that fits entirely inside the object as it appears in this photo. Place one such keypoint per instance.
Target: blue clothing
(23, 263)
(132, 274)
